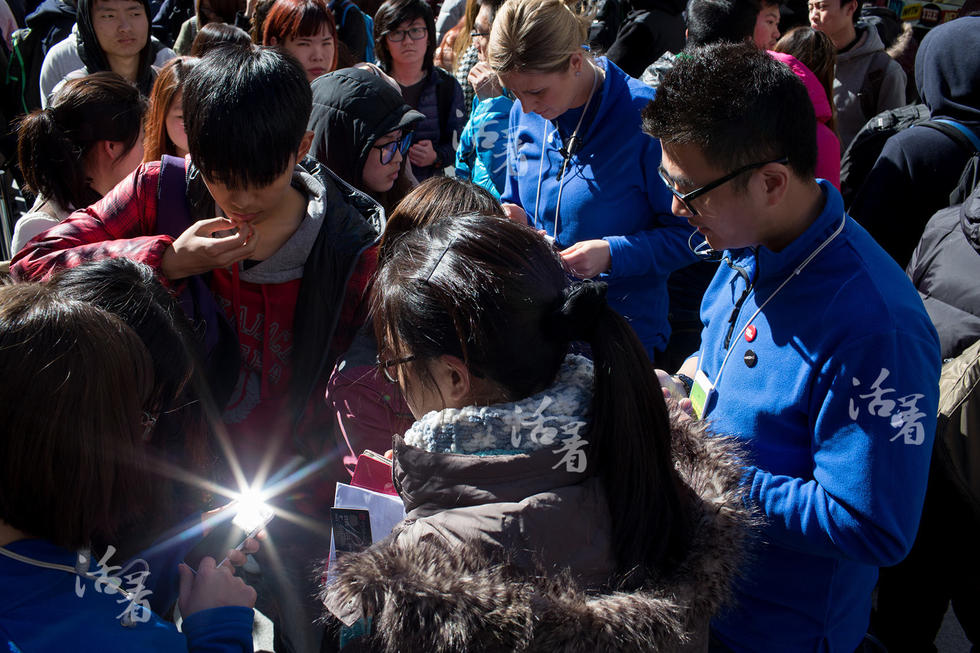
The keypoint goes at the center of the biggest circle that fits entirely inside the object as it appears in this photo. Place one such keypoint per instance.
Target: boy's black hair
(738, 106)
(715, 21)
(393, 13)
(245, 112)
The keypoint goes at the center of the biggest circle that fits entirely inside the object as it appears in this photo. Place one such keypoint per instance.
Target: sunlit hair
(434, 198)
(538, 36)
(75, 384)
(53, 143)
(214, 34)
(166, 89)
(489, 291)
(292, 19)
(816, 51)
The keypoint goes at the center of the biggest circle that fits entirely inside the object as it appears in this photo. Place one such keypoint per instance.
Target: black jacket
(651, 29)
(945, 268)
(919, 166)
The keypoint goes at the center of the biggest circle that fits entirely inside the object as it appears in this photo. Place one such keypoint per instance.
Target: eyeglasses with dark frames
(687, 198)
(474, 34)
(385, 366)
(387, 150)
(414, 33)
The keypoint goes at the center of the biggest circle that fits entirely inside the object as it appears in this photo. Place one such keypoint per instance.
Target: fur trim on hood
(432, 597)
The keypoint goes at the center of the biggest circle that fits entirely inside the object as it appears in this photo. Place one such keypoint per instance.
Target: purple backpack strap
(173, 219)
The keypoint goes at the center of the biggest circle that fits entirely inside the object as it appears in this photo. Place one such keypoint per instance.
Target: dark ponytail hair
(494, 293)
(52, 143)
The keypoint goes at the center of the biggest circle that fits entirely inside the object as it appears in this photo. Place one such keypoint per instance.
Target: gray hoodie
(860, 70)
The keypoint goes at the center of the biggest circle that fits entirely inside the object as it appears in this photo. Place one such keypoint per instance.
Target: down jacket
(431, 593)
(945, 268)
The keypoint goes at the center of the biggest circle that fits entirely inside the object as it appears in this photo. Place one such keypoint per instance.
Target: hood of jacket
(438, 597)
(352, 108)
(48, 13)
(947, 69)
(868, 43)
(94, 57)
(818, 96)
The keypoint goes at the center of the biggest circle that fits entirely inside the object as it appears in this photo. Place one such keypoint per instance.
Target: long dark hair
(52, 143)
(494, 294)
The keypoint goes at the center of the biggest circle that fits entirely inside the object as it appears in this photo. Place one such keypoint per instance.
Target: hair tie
(577, 311)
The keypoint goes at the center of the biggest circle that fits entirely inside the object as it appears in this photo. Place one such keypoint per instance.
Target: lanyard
(567, 153)
(794, 273)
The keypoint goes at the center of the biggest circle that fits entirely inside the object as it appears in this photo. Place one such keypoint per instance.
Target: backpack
(22, 79)
(971, 171)
(957, 446)
(345, 7)
(866, 147)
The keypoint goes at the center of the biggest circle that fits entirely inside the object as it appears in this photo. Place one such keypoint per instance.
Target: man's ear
(850, 8)
(304, 146)
(774, 181)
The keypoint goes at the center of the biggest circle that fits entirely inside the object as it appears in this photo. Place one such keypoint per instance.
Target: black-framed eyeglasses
(385, 366)
(388, 149)
(474, 34)
(414, 33)
(687, 198)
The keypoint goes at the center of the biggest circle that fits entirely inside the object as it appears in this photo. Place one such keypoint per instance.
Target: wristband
(685, 381)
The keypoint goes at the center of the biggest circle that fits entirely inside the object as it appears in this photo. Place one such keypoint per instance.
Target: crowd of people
(664, 315)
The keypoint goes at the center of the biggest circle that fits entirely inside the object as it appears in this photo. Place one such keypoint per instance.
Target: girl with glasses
(550, 500)
(405, 42)
(362, 131)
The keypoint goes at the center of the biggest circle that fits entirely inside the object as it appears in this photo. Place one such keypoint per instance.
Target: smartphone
(224, 537)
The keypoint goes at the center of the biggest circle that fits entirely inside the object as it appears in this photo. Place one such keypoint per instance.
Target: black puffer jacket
(945, 268)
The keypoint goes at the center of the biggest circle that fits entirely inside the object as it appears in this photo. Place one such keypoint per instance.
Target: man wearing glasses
(816, 353)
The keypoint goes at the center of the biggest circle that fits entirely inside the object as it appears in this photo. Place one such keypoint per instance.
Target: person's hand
(515, 213)
(236, 557)
(484, 81)
(212, 587)
(587, 259)
(422, 154)
(672, 389)
(196, 252)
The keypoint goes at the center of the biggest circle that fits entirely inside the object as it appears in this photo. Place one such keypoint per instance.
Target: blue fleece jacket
(611, 191)
(40, 610)
(836, 404)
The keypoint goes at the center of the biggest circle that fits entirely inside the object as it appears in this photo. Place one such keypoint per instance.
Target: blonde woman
(579, 167)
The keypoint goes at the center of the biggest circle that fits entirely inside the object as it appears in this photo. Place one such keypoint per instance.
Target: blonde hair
(536, 36)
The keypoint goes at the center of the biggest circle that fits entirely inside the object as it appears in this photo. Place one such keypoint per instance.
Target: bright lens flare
(252, 511)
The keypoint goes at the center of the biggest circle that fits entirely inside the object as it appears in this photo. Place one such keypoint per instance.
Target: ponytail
(52, 163)
(630, 435)
(52, 143)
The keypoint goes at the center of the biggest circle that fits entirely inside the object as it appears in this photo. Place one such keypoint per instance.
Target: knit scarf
(546, 419)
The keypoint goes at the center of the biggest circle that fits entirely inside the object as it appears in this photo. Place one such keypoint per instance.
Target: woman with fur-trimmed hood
(553, 502)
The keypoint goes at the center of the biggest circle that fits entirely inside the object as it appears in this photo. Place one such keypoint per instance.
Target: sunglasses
(388, 149)
(687, 198)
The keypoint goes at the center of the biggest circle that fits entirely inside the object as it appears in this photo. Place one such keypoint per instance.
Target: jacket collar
(768, 264)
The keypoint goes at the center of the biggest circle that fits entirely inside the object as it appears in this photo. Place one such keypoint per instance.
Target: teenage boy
(281, 248)
(108, 35)
(816, 352)
(867, 80)
(285, 254)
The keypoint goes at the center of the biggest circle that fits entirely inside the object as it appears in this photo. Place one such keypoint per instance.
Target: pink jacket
(828, 145)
